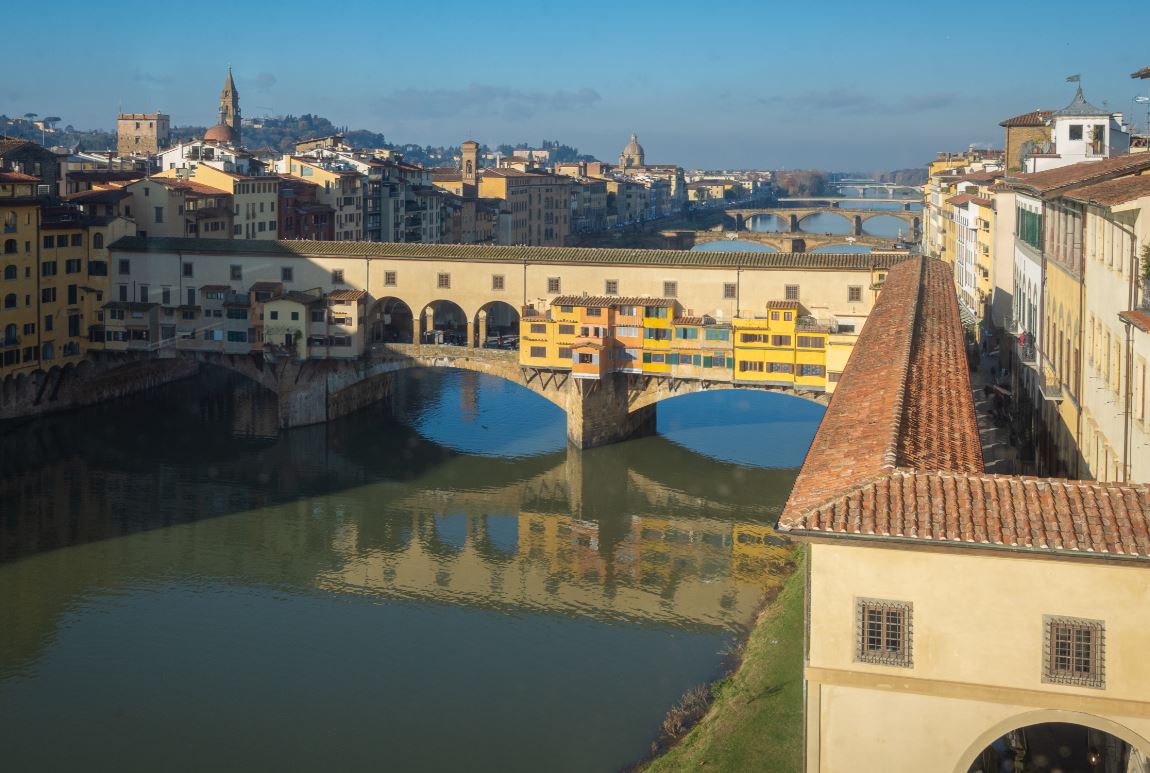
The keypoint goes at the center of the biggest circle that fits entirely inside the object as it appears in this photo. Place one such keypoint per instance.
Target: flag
(1074, 79)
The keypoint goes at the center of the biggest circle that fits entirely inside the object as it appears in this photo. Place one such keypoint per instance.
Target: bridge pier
(793, 224)
(598, 412)
(857, 230)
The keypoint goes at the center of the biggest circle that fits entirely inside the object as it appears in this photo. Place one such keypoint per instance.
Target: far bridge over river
(793, 216)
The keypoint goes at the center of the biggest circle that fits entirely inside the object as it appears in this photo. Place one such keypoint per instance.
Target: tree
(51, 121)
(29, 116)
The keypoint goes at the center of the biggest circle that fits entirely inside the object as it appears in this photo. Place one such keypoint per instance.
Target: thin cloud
(152, 79)
(264, 81)
(847, 100)
(484, 99)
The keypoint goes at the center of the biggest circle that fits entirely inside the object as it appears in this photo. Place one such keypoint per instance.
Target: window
(883, 632)
(389, 278)
(77, 240)
(611, 287)
(777, 340)
(811, 370)
(274, 315)
(553, 284)
(48, 295)
(854, 294)
(564, 352)
(73, 266)
(594, 312)
(286, 273)
(538, 351)
(237, 273)
(497, 282)
(811, 342)
(295, 316)
(670, 289)
(237, 336)
(49, 242)
(539, 328)
(317, 315)
(48, 268)
(1075, 131)
(730, 290)
(585, 358)
(443, 281)
(564, 330)
(687, 332)
(337, 276)
(780, 367)
(189, 269)
(750, 367)
(717, 335)
(159, 214)
(10, 301)
(792, 292)
(1073, 650)
(98, 241)
(125, 267)
(657, 334)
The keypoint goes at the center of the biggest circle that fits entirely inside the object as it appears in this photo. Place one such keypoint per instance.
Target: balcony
(1050, 387)
(1028, 354)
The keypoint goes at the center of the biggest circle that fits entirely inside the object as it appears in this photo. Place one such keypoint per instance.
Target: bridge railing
(393, 351)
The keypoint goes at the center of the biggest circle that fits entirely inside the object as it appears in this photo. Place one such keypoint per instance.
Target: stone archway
(973, 759)
(444, 322)
(497, 326)
(391, 321)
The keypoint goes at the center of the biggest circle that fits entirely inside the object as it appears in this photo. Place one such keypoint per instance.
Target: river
(437, 584)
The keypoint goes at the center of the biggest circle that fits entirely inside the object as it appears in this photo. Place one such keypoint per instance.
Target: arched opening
(48, 353)
(497, 326)
(98, 241)
(827, 223)
(766, 224)
(443, 322)
(11, 333)
(392, 322)
(10, 301)
(887, 227)
(10, 247)
(1066, 746)
(9, 272)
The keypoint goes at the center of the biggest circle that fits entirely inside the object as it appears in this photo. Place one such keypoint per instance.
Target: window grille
(883, 632)
(1074, 652)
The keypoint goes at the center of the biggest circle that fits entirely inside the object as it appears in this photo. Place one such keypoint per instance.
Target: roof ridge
(890, 456)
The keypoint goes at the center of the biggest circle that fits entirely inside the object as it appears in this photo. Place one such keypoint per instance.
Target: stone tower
(470, 166)
(230, 107)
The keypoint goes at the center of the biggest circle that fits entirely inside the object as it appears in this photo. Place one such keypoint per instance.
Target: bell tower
(470, 157)
(230, 106)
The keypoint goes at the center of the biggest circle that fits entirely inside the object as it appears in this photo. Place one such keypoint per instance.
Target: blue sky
(713, 84)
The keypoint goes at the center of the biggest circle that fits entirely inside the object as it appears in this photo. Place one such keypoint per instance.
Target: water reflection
(369, 582)
(734, 245)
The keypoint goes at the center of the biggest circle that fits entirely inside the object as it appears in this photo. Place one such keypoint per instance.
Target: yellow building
(539, 204)
(19, 287)
(340, 187)
(784, 347)
(254, 199)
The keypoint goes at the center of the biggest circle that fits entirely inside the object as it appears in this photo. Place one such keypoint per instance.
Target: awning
(968, 319)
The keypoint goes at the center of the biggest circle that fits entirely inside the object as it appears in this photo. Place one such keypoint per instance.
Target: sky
(834, 85)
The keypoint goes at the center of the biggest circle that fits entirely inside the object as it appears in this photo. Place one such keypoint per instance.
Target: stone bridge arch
(646, 392)
(1039, 717)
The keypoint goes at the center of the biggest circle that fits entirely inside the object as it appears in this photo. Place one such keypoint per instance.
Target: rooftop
(1112, 192)
(1033, 118)
(506, 254)
(898, 456)
(1081, 173)
(606, 301)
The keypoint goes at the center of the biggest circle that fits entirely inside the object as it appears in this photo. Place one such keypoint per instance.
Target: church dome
(633, 147)
(221, 132)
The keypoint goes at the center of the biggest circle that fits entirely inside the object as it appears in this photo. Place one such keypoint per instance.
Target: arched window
(98, 241)
(49, 352)
(10, 247)
(9, 334)
(10, 272)
(10, 301)
(9, 222)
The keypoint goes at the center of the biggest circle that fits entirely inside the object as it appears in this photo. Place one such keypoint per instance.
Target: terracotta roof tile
(1112, 192)
(347, 295)
(1084, 173)
(1137, 318)
(1033, 118)
(606, 301)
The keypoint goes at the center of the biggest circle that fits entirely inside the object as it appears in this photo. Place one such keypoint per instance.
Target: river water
(439, 584)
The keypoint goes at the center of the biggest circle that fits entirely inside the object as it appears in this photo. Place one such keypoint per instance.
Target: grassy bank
(756, 720)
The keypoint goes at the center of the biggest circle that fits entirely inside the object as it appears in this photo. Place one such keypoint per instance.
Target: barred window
(1074, 652)
(389, 278)
(337, 276)
(854, 294)
(670, 289)
(497, 281)
(553, 284)
(792, 292)
(729, 290)
(611, 287)
(883, 632)
(538, 351)
(443, 281)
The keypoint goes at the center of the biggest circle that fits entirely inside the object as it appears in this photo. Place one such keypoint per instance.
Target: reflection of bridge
(549, 534)
(856, 219)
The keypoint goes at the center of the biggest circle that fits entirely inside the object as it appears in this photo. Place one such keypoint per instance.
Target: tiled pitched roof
(347, 295)
(1033, 118)
(997, 511)
(1137, 318)
(1113, 192)
(605, 301)
(966, 198)
(477, 252)
(897, 457)
(1083, 173)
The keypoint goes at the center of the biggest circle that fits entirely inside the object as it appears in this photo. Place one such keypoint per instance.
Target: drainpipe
(1041, 338)
(1129, 380)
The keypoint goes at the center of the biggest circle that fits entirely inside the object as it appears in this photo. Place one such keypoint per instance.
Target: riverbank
(756, 719)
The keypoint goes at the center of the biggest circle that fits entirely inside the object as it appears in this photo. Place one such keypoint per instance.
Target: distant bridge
(783, 242)
(836, 201)
(862, 185)
(855, 218)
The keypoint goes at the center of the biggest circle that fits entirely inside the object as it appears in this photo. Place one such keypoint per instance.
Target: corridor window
(854, 294)
(497, 282)
(611, 286)
(1073, 652)
(670, 289)
(389, 278)
(443, 281)
(792, 292)
(337, 276)
(883, 632)
(730, 290)
(553, 285)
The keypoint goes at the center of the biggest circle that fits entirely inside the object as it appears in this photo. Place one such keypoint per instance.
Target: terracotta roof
(274, 287)
(690, 321)
(17, 177)
(1137, 318)
(346, 295)
(1082, 173)
(966, 198)
(783, 304)
(1033, 118)
(1111, 192)
(994, 511)
(98, 196)
(177, 183)
(898, 455)
(545, 255)
(606, 301)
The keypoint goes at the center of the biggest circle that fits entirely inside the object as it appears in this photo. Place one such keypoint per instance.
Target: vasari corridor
(541, 387)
